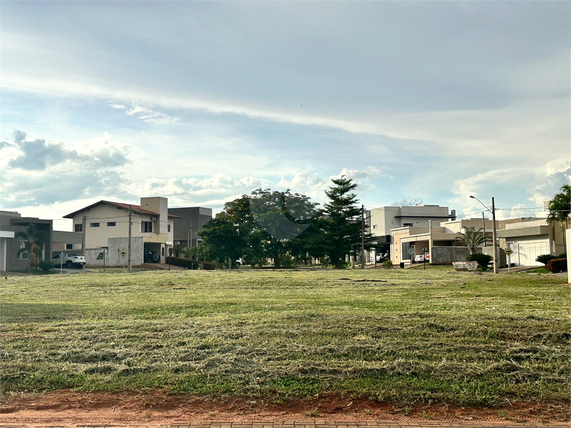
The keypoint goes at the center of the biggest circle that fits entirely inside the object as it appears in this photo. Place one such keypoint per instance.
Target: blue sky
(201, 102)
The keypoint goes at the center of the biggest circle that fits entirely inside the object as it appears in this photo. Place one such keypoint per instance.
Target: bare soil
(156, 407)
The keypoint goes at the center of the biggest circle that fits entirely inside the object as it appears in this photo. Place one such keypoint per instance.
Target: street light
(493, 211)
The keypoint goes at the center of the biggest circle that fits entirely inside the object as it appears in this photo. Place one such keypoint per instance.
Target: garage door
(525, 252)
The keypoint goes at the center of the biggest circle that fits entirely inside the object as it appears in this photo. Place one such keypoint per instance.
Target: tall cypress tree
(342, 225)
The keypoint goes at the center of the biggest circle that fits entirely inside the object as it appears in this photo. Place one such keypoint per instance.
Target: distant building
(529, 238)
(383, 219)
(104, 226)
(188, 223)
(12, 222)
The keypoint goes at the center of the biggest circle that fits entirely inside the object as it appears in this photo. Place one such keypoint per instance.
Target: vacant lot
(399, 336)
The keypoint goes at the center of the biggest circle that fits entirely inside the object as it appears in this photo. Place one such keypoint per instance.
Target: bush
(185, 263)
(387, 264)
(482, 259)
(557, 265)
(208, 266)
(45, 265)
(544, 258)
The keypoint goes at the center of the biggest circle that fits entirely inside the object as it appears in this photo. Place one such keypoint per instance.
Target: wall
(447, 255)
(113, 254)
(157, 205)
(196, 216)
(97, 237)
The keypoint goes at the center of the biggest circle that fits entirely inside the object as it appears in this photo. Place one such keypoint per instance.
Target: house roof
(135, 208)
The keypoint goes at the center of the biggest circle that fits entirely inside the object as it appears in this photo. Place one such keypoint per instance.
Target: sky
(203, 101)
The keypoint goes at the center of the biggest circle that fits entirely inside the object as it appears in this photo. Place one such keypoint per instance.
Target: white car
(68, 260)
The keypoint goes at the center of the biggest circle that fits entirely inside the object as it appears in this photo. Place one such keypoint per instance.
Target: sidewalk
(318, 424)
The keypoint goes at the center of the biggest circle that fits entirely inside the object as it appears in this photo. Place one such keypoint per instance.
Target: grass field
(400, 336)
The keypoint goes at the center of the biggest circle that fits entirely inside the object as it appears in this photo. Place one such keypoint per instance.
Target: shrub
(544, 258)
(557, 265)
(185, 263)
(208, 266)
(387, 264)
(482, 259)
(45, 265)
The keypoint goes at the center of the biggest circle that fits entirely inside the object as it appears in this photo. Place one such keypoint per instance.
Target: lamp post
(493, 211)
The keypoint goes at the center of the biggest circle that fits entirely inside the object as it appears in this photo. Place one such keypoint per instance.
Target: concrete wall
(113, 256)
(447, 255)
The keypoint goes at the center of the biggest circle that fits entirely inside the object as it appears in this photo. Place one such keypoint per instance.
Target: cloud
(368, 174)
(145, 113)
(550, 177)
(516, 211)
(38, 172)
(37, 154)
(185, 191)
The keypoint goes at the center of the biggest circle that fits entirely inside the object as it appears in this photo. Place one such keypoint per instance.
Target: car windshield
(71, 255)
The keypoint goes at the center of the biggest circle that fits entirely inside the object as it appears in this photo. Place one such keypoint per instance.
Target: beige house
(383, 219)
(104, 226)
(437, 239)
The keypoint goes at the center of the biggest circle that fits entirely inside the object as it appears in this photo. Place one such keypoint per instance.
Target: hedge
(557, 265)
(185, 263)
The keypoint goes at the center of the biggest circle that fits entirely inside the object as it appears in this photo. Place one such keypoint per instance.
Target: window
(79, 227)
(69, 246)
(111, 223)
(169, 228)
(407, 224)
(146, 226)
(24, 254)
(93, 224)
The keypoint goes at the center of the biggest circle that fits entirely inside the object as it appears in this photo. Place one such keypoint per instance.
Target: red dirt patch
(155, 407)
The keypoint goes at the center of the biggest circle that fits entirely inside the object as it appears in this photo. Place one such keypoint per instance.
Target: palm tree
(559, 209)
(33, 240)
(472, 239)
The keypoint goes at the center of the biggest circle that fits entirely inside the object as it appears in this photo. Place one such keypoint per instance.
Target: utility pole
(84, 232)
(484, 227)
(362, 236)
(494, 236)
(130, 223)
(189, 235)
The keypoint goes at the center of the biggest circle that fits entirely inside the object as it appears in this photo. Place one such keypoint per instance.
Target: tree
(342, 224)
(33, 242)
(560, 209)
(221, 240)
(472, 239)
(284, 217)
(263, 225)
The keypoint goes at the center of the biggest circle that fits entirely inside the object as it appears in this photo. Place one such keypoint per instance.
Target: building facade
(383, 219)
(12, 222)
(187, 224)
(103, 222)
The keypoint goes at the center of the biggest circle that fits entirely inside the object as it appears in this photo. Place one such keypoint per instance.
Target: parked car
(151, 257)
(68, 260)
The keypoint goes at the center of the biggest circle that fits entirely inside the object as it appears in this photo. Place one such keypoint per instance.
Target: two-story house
(114, 227)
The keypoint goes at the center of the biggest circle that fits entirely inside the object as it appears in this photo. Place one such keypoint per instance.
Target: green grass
(401, 336)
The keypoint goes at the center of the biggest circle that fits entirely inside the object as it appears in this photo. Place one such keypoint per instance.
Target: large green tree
(284, 217)
(33, 241)
(560, 208)
(342, 224)
(263, 225)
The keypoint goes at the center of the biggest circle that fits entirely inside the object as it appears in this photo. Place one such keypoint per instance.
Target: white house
(529, 238)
